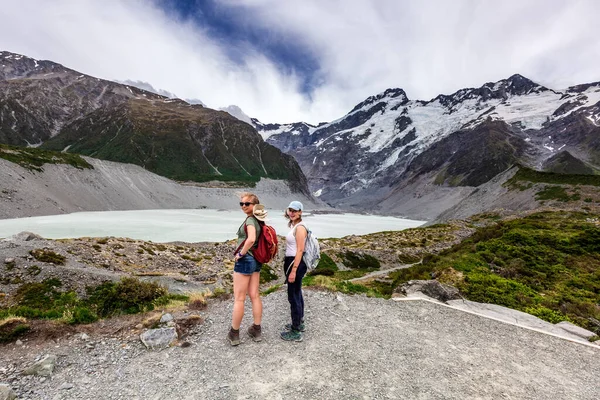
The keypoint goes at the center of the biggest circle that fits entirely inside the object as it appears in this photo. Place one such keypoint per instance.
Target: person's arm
(248, 243)
(300, 241)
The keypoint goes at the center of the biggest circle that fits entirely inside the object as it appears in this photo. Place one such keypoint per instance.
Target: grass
(525, 174)
(555, 193)
(33, 158)
(335, 284)
(271, 289)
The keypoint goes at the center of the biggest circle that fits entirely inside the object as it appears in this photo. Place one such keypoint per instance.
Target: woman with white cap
(295, 269)
(246, 271)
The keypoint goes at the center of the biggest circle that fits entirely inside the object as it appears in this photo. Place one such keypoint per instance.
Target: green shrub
(83, 315)
(408, 258)
(128, 296)
(552, 193)
(325, 267)
(267, 274)
(546, 314)
(416, 272)
(38, 295)
(46, 255)
(359, 261)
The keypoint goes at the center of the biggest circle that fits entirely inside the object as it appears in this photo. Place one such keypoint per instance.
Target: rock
(9, 260)
(431, 288)
(44, 367)
(26, 237)
(66, 386)
(576, 330)
(6, 392)
(19, 343)
(166, 318)
(159, 338)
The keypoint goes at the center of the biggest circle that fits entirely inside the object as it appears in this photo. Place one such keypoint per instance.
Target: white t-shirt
(290, 241)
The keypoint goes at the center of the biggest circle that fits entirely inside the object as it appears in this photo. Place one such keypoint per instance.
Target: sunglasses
(246, 203)
(291, 210)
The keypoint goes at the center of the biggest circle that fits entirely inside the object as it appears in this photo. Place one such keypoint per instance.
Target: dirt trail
(354, 347)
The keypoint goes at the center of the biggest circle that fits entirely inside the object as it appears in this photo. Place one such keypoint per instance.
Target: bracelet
(240, 254)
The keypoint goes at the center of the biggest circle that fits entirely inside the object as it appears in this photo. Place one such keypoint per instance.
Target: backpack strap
(246, 231)
(302, 224)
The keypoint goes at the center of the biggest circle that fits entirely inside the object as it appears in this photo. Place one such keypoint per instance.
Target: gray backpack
(312, 250)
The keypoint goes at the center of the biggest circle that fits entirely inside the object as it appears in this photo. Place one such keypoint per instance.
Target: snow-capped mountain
(463, 139)
(149, 88)
(237, 112)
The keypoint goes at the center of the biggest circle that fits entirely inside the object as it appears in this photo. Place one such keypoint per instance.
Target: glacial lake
(190, 225)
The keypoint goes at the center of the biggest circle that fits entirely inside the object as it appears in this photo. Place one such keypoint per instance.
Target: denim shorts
(247, 265)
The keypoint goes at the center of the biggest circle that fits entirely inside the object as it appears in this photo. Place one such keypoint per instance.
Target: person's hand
(237, 256)
(292, 277)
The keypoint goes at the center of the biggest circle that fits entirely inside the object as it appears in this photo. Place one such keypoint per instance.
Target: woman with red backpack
(246, 272)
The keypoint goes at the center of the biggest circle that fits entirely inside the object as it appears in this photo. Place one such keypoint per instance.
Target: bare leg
(240, 289)
(255, 298)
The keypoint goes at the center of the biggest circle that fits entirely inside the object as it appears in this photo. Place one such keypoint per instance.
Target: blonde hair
(253, 197)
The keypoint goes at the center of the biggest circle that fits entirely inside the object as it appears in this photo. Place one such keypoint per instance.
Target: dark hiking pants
(294, 291)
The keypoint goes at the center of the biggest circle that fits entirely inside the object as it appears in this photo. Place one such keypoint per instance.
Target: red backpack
(266, 247)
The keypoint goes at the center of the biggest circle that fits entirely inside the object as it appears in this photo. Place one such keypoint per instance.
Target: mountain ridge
(45, 104)
(375, 149)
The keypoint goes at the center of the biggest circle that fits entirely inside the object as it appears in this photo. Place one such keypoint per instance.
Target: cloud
(353, 48)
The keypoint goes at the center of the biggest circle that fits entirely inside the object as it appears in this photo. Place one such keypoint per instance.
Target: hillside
(45, 104)
(521, 189)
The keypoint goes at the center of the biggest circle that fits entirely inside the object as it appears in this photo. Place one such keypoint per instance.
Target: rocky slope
(61, 188)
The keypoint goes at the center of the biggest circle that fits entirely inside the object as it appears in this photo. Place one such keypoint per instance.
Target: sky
(309, 60)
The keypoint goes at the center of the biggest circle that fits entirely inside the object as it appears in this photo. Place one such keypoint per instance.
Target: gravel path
(354, 347)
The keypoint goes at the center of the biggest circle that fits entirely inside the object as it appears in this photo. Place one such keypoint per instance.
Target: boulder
(44, 367)
(430, 288)
(25, 237)
(159, 338)
(6, 392)
(576, 330)
(166, 318)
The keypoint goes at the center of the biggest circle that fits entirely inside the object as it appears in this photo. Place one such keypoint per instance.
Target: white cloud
(363, 47)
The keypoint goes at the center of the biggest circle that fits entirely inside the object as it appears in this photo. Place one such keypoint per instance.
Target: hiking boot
(292, 336)
(234, 337)
(255, 332)
(288, 327)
